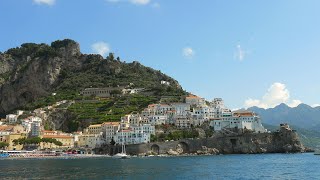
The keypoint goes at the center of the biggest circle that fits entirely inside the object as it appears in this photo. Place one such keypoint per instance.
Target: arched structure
(155, 149)
(182, 147)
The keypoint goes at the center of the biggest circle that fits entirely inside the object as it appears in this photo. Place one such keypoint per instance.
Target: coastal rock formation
(173, 153)
(283, 141)
(207, 151)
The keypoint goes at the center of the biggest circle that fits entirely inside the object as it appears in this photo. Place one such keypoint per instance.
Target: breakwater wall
(275, 142)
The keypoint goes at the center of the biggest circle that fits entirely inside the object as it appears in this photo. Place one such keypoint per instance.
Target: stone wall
(276, 142)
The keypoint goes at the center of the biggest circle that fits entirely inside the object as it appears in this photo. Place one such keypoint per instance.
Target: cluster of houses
(133, 128)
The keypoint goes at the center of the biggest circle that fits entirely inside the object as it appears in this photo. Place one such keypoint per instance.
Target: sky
(250, 53)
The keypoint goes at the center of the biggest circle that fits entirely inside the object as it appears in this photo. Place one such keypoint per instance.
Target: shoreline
(134, 156)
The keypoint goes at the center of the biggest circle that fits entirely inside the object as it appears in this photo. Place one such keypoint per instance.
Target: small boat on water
(4, 154)
(123, 154)
(26, 154)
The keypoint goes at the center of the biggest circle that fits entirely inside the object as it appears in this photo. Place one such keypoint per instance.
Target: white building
(182, 121)
(11, 118)
(32, 124)
(131, 136)
(36, 128)
(156, 109)
(158, 119)
(109, 129)
(195, 100)
(165, 83)
(144, 128)
(239, 119)
(132, 91)
(204, 112)
(219, 109)
(133, 119)
(93, 129)
(181, 108)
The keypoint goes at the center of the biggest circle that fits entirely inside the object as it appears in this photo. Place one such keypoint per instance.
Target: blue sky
(247, 52)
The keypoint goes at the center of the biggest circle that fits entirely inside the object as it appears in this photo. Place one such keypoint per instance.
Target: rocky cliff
(282, 141)
(34, 71)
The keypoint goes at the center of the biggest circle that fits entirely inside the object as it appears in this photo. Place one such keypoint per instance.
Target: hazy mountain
(303, 116)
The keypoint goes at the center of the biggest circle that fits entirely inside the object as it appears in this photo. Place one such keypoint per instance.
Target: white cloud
(275, 95)
(101, 48)
(136, 2)
(188, 52)
(294, 103)
(315, 105)
(140, 2)
(240, 53)
(45, 2)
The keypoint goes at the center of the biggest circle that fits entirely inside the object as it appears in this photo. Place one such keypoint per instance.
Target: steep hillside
(31, 73)
(302, 116)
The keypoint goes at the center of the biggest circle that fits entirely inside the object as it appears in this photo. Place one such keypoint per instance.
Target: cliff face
(32, 71)
(30, 75)
(283, 141)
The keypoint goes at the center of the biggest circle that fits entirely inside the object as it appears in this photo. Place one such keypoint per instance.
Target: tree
(51, 140)
(153, 138)
(58, 143)
(3, 145)
(112, 142)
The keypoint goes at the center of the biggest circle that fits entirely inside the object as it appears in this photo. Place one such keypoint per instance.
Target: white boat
(123, 154)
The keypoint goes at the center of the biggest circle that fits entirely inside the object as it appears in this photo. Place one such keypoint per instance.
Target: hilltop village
(18, 131)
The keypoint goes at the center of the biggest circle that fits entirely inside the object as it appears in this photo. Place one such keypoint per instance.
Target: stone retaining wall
(276, 142)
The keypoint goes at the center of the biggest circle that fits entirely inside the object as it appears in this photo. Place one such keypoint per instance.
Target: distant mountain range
(303, 116)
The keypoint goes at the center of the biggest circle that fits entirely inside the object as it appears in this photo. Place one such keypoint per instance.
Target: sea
(244, 166)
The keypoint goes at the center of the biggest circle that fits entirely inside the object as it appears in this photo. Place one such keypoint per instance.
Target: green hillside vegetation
(71, 72)
(110, 109)
(76, 71)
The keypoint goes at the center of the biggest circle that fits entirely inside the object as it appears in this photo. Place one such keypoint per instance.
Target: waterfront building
(109, 129)
(66, 139)
(240, 120)
(131, 136)
(219, 109)
(90, 140)
(13, 136)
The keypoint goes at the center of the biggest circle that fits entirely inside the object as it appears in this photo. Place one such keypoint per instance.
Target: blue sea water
(262, 166)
